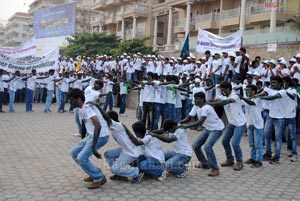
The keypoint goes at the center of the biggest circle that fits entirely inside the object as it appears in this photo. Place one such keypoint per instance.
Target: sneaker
(227, 163)
(214, 173)
(88, 179)
(97, 184)
(294, 158)
(250, 161)
(274, 160)
(238, 166)
(123, 115)
(183, 174)
(138, 178)
(267, 157)
(163, 176)
(77, 134)
(256, 165)
(117, 177)
(203, 166)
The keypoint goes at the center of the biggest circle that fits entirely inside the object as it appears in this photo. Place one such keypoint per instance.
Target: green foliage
(136, 45)
(90, 44)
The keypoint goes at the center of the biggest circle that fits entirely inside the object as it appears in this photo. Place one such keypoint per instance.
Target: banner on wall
(55, 21)
(209, 41)
(24, 50)
(44, 64)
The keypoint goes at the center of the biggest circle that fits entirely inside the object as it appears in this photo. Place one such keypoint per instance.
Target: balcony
(97, 20)
(102, 5)
(207, 21)
(230, 17)
(139, 10)
(110, 18)
(179, 26)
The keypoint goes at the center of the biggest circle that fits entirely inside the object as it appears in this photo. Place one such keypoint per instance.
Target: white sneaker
(123, 115)
(77, 134)
(163, 176)
(183, 174)
(294, 158)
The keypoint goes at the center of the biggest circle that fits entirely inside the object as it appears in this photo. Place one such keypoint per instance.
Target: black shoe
(274, 160)
(1, 111)
(227, 163)
(138, 178)
(117, 177)
(256, 165)
(267, 157)
(250, 161)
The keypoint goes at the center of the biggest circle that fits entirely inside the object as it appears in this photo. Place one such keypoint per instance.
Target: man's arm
(164, 138)
(271, 97)
(97, 129)
(186, 120)
(194, 124)
(222, 103)
(132, 138)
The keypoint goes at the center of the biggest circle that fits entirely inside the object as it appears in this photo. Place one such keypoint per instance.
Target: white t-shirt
(31, 82)
(65, 85)
(119, 134)
(238, 62)
(90, 94)
(181, 145)
(216, 64)
(149, 91)
(253, 114)
(13, 84)
(290, 104)
(171, 94)
(123, 88)
(160, 92)
(226, 62)
(86, 113)
(152, 148)
(276, 106)
(212, 121)
(50, 83)
(234, 112)
(138, 64)
(159, 67)
(296, 75)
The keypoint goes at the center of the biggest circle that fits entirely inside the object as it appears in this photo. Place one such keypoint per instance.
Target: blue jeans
(215, 78)
(208, 139)
(48, 100)
(108, 101)
(170, 111)
(189, 106)
(77, 120)
(28, 100)
(63, 98)
(11, 100)
(129, 76)
(150, 166)
(234, 134)
(83, 151)
(278, 125)
(178, 114)
(255, 137)
(159, 110)
(57, 95)
(123, 104)
(291, 135)
(175, 162)
(119, 163)
(139, 113)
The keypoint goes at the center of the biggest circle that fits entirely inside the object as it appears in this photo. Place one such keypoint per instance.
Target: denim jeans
(82, 152)
(108, 101)
(11, 100)
(1, 99)
(189, 106)
(63, 98)
(139, 75)
(57, 95)
(175, 162)
(208, 139)
(119, 163)
(28, 100)
(171, 112)
(291, 135)
(159, 111)
(150, 166)
(123, 104)
(139, 113)
(77, 120)
(148, 115)
(234, 134)
(178, 114)
(215, 78)
(129, 76)
(255, 138)
(48, 100)
(278, 125)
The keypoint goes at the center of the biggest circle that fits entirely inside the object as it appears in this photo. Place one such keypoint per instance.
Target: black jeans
(1, 99)
(148, 115)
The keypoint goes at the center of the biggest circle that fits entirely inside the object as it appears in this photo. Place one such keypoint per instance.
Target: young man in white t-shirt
(95, 124)
(255, 125)
(276, 99)
(235, 128)
(152, 160)
(182, 150)
(208, 118)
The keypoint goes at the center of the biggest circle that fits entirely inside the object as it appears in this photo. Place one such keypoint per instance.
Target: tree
(90, 44)
(134, 46)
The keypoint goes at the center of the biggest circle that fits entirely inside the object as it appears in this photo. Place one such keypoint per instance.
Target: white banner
(214, 43)
(26, 49)
(44, 64)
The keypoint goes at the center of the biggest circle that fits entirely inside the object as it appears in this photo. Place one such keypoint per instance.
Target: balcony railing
(231, 13)
(141, 8)
(211, 17)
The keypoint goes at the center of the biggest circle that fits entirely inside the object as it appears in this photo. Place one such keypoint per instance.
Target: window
(160, 29)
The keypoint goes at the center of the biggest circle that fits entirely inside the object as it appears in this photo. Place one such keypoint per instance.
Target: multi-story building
(2, 32)
(18, 29)
(168, 22)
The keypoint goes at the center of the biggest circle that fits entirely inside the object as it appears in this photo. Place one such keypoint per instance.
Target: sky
(10, 7)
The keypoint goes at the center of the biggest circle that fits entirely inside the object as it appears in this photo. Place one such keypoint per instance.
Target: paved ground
(36, 165)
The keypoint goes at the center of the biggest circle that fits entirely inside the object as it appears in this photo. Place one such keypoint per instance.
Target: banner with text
(214, 43)
(44, 64)
(24, 50)
(55, 21)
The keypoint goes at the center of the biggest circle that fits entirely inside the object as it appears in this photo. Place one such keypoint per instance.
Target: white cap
(179, 59)
(125, 54)
(293, 60)
(188, 57)
(138, 53)
(297, 55)
(185, 61)
(266, 62)
(197, 80)
(281, 58)
(198, 62)
(283, 62)
(255, 73)
(128, 57)
(272, 61)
